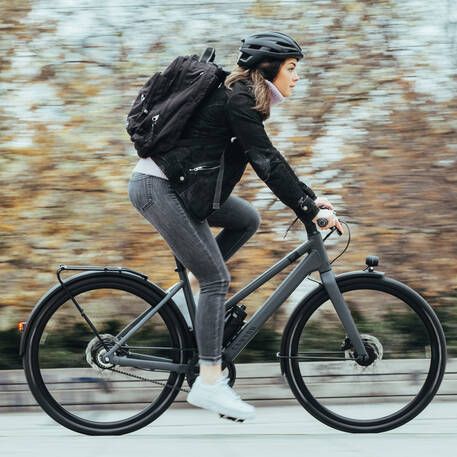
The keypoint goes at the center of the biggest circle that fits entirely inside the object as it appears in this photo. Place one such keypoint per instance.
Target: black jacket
(227, 131)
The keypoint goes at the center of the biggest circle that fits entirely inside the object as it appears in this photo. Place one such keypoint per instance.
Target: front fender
(58, 289)
(340, 280)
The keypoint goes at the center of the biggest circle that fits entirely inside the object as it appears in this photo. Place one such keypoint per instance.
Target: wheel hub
(372, 345)
(95, 352)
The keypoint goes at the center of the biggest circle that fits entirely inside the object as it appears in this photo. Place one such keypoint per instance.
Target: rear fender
(59, 289)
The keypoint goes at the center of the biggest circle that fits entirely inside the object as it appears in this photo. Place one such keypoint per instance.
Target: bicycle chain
(141, 378)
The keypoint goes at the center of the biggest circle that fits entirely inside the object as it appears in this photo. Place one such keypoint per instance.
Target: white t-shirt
(149, 167)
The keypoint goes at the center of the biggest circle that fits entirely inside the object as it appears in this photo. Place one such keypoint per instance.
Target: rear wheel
(64, 361)
(405, 344)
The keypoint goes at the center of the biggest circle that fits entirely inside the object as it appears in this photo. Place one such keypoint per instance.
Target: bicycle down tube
(316, 260)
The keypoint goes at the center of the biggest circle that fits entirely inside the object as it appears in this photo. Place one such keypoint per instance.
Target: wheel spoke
(73, 377)
(405, 349)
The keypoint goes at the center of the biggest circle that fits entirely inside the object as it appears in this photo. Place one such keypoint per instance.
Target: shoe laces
(224, 382)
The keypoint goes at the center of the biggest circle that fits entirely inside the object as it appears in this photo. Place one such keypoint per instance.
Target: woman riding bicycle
(265, 75)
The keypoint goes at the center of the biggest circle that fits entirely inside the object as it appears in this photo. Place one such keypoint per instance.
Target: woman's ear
(269, 69)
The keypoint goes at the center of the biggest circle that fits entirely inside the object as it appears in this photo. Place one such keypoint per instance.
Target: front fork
(342, 309)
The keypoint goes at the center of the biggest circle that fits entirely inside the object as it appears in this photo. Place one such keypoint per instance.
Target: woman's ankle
(210, 373)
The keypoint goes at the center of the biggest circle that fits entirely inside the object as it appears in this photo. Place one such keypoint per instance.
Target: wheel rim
(75, 391)
(391, 390)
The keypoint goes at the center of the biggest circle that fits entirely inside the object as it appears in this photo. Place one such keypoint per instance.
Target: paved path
(288, 430)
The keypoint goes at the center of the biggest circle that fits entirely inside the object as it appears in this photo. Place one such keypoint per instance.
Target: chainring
(194, 370)
(95, 352)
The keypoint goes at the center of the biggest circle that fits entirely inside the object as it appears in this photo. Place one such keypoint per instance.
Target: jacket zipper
(204, 167)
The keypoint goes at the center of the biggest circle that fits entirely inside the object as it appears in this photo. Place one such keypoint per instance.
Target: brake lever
(332, 230)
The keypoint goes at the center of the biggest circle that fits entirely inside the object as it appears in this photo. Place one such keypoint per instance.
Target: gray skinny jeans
(193, 243)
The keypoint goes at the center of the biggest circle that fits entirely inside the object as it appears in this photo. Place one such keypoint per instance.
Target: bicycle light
(371, 261)
(21, 326)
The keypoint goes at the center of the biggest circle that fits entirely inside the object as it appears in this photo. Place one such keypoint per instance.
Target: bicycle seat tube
(181, 270)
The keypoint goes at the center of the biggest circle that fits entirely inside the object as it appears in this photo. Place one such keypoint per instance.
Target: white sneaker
(220, 398)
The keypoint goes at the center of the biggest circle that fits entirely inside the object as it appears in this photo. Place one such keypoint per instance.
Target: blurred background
(371, 125)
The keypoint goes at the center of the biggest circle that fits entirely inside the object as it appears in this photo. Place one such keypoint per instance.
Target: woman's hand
(332, 220)
(322, 202)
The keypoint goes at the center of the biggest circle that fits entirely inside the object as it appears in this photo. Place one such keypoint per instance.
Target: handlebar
(311, 227)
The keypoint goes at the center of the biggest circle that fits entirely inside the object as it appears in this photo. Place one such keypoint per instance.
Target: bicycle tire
(313, 402)
(94, 283)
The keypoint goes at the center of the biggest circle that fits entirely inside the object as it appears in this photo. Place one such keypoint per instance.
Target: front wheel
(404, 341)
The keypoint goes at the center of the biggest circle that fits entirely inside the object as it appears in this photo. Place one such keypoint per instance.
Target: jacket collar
(276, 96)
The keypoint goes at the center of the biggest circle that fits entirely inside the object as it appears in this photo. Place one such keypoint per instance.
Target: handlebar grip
(323, 221)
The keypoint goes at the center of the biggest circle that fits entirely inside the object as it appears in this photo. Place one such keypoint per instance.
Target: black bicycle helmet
(265, 46)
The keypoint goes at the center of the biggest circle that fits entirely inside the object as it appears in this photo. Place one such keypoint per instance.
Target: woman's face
(287, 76)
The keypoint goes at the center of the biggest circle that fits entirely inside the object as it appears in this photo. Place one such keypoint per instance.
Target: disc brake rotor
(373, 347)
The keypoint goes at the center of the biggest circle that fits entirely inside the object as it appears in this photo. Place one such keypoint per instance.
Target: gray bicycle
(106, 351)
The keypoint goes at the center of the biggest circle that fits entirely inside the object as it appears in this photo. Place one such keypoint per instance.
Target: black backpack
(165, 103)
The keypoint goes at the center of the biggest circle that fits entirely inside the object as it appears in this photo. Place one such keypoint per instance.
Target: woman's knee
(215, 282)
(254, 220)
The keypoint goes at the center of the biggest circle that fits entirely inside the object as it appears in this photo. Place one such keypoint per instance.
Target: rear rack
(96, 268)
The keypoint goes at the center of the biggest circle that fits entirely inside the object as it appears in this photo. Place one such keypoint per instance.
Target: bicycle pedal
(234, 419)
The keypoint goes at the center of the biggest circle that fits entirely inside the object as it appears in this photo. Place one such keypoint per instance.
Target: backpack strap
(208, 55)
(220, 175)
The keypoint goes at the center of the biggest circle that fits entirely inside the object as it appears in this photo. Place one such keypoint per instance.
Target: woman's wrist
(306, 209)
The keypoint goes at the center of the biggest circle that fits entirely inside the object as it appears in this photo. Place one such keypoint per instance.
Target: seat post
(180, 268)
(182, 272)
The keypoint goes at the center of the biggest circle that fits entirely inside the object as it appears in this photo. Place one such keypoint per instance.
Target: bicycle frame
(316, 260)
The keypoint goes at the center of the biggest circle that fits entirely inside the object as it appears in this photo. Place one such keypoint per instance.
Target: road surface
(284, 430)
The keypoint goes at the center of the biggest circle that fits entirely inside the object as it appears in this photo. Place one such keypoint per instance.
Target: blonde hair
(257, 83)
